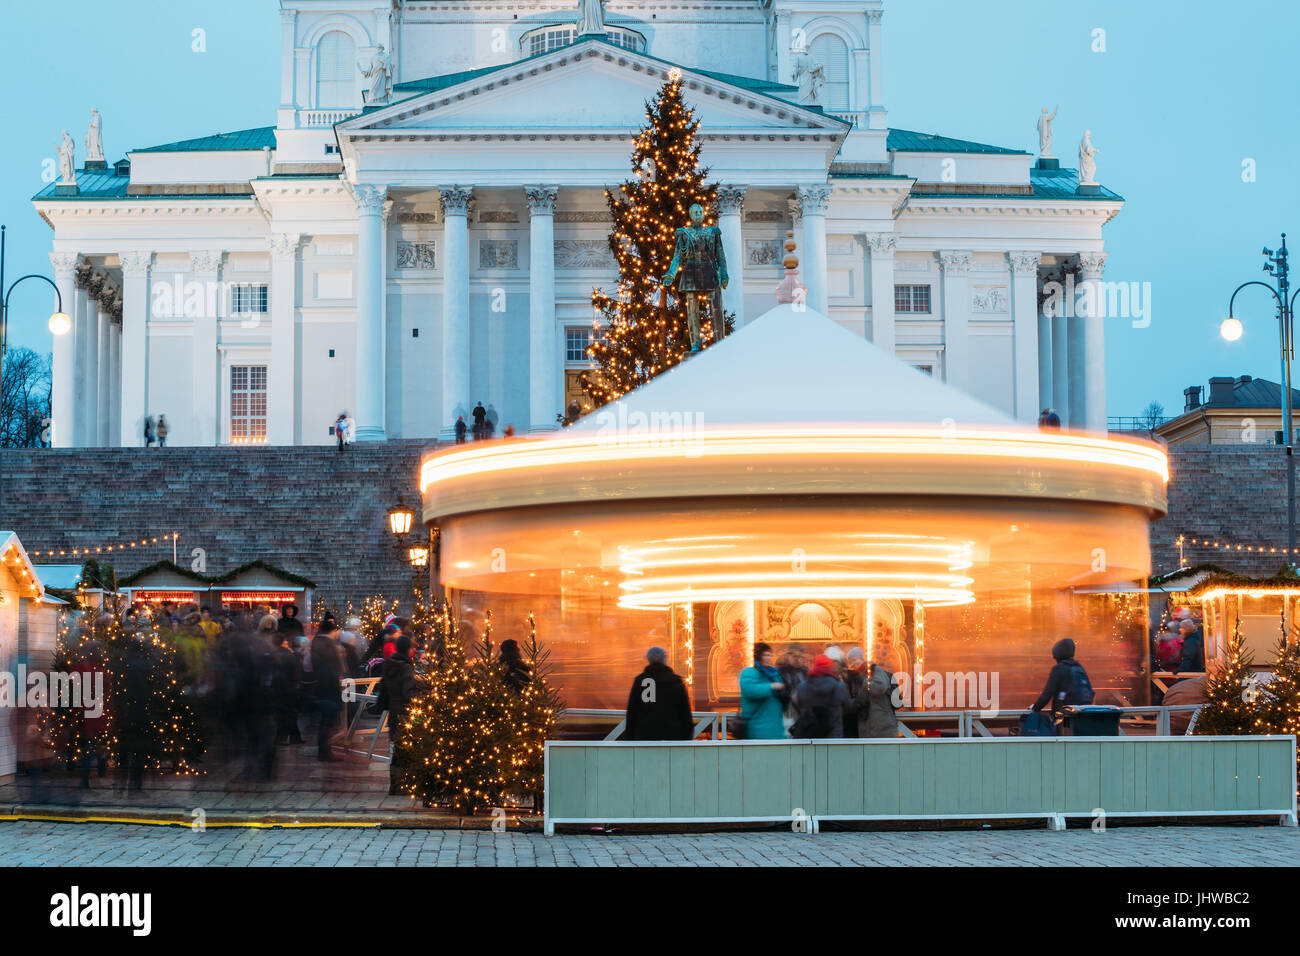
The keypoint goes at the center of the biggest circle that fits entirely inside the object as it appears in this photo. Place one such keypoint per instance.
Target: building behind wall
(404, 260)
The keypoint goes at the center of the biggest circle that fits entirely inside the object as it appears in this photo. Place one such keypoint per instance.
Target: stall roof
(15, 557)
(255, 575)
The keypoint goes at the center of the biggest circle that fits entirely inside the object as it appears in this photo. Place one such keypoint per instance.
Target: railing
(705, 721)
(1134, 423)
(856, 118)
(318, 119)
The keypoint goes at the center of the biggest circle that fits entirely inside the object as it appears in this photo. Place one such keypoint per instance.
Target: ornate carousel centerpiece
(797, 485)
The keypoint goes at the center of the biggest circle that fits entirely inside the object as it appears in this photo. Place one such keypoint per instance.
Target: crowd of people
(1179, 647)
(484, 426)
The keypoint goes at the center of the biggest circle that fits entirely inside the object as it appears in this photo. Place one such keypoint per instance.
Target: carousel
(796, 485)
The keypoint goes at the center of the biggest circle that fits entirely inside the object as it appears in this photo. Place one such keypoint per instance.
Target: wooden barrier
(1052, 778)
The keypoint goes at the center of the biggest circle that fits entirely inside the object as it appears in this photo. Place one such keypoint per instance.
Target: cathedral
(419, 228)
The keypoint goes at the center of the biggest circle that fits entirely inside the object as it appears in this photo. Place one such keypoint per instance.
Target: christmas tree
(473, 741)
(159, 726)
(645, 331)
(1231, 692)
(1280, 701)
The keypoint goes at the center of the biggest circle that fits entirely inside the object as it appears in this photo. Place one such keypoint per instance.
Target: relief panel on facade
(583, 254)
(763, 252)
(988, 300)
(415, 255)
(498, 254)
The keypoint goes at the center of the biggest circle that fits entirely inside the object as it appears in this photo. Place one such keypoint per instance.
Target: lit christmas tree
(646, 330)
(473, 742)
(1231, 692)
(1280, 701)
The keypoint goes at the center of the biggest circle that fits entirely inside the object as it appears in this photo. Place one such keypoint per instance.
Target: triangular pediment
(586, 86)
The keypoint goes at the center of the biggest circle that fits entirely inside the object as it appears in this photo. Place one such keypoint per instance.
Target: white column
(63, 393)
(90, 363)
(813, 201)
(369, 412)
(106, 302)
(455, 202)
(1024, 310)
(731, 203)
(876, 106)
(1044, 360)
(544, 369)
(115, 380)
(956, 316)
(135, 343)
(1061, 363)
(282, 376)
(882, 245)
(205, 267)
(1091, 267)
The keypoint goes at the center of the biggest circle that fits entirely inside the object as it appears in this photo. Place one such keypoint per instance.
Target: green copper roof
(258, 138)
(1062, 183)
(907, 141)
(91, 184)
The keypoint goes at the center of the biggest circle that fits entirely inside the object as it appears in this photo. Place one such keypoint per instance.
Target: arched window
(833, 55)
(336, 71)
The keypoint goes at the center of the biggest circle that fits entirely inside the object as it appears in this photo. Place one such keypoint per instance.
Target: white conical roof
(788, 367)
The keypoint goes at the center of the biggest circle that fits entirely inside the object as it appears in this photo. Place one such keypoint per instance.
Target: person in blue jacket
(762, 697)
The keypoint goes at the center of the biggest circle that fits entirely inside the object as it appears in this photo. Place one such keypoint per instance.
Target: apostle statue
(379, 73)
(699, 269)
(67, 161)
(593, 17)
(809, 76)
(1045, 132)
(1087, 165)
(94, 139)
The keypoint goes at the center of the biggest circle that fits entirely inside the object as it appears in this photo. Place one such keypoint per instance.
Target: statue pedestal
(1047, 162)
(96, 164)
(66, 190)
(1088, 189)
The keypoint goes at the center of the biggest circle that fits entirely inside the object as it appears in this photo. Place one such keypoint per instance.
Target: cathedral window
(336, 71)
(912, 298)
(247, 403)
(552, 38)
(832, 53)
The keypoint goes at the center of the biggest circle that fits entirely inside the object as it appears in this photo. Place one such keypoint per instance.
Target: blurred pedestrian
(658, 706)
(762, 697)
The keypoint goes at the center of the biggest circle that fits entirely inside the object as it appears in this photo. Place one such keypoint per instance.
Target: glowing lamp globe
(419, 556)
(399, 520)
(1230, 329)
(60, 324)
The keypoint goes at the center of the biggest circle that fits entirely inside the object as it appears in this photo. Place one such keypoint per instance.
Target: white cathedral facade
(422, 227)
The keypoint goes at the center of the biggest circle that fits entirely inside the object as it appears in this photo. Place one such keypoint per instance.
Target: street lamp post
(1231, 329)
(59, 324)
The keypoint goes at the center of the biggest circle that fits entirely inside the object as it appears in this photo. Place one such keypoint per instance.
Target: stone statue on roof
(1045, 132)
(67, 161)
(379, 72)
(1087, 165)
(593, 17)
(94, 139)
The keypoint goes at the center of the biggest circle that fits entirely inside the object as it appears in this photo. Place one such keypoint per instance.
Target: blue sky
(1183, 93)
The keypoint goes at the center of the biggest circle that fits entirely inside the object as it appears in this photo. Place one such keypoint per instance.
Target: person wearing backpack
(761, 697)
(1067, 682)
(822, 703)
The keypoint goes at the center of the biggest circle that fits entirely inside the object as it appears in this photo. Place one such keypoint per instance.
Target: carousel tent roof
(800, 367)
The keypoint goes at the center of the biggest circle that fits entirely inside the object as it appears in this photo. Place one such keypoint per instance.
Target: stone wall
(310, 510)
(1232, 493)
(322, 514)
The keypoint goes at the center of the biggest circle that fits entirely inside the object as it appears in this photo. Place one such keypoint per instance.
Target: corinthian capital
(135, 263)
(1092, 265)
(64, 264)
(541, 199)
(206, 262)
(284, 245)
(955, 262)
(813, 200)
(731, 199)
(1024, 263)
(455, 200)
(370, 199)
(882, 243)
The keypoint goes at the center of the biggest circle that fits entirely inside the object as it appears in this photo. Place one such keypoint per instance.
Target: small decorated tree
(1280, 701)
(1231, 692)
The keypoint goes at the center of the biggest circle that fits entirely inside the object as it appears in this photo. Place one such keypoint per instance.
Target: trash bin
(1090, 720)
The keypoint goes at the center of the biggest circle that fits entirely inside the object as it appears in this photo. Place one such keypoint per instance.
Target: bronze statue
(699, 268)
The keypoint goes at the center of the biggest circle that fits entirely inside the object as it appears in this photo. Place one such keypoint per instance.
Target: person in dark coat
(286, 673)
(327, 666)
(480, 421)
(822, 702)
(793, 668)
(395, 690)
(855, 682)
(1193, 656)
(289, 624)
(461, 428)
(517, 673)
(1060, 679)
(133, 709)
(658, 707)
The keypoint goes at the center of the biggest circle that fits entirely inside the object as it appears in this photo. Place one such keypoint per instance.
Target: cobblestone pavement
(33, 843)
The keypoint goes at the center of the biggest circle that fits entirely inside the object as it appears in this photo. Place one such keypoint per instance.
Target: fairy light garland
(117, 548)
